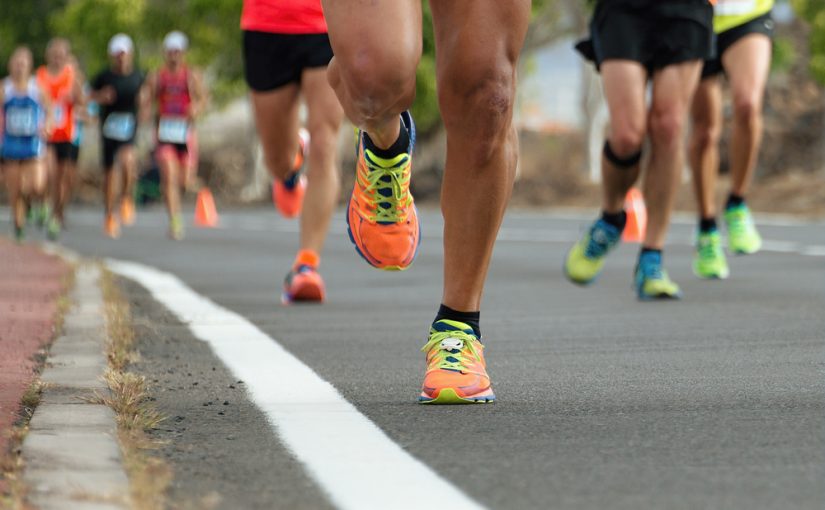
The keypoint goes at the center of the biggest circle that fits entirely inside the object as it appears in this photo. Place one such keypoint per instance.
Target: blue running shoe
(652, 282)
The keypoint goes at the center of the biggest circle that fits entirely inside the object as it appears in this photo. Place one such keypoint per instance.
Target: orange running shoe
(127, 211)
(456, 371)
(303, 283)
(289, 199)
(111, 227)
(381, 217)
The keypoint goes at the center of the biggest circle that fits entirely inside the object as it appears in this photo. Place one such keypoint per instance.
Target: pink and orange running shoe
(381, 217)
(456, 370)
(303, 283)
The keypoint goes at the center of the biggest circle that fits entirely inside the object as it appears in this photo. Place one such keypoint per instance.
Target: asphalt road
(717, 401)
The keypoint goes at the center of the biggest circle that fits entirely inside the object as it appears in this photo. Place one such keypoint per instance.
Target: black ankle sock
(618, 219)
(471, 319)
(646, 250)
(399, 146)
(292, 180)
(734, 200)
(707, 224)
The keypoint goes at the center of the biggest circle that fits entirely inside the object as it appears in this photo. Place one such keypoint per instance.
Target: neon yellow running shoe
(709, 259)
(456, 370)
(743, 238)
(586, 259)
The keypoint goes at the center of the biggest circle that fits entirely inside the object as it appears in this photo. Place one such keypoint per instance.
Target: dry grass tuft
(149, 477)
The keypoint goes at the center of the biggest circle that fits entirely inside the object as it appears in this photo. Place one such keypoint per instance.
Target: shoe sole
(304, 294)
(448, 396)
(385, 268)
(660, 297)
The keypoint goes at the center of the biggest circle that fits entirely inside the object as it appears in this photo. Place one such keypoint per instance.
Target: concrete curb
(72, 456)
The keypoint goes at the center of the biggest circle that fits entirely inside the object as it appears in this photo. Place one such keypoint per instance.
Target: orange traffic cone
(634, 205)
(205, 213)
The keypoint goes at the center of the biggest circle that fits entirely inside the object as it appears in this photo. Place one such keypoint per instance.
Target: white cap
(120, 43)
(175, 41)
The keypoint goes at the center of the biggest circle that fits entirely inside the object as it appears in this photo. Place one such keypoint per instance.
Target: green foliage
(813, 11)
(784, 55)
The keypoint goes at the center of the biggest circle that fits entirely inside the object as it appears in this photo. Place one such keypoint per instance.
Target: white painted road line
(347, 455)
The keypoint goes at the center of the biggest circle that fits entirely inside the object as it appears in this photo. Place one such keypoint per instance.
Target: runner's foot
(586, 259)
(111, 227)
(743, 238)
(381, 217)
(652, 282)
(709, 259)
(53, 228)
(127, 211)
(303, 282)
(176, 229)
(456, 370)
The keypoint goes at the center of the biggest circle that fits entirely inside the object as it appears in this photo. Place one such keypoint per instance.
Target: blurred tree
(813, 11)
(23, 22)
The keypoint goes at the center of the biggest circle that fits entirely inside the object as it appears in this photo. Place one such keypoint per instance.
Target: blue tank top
(23, 116)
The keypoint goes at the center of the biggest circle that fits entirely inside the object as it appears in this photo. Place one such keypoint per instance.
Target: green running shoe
(743, 238)
(53, 229)
(652, 282)
(19, 234)
(41, 214)
(586, 259)
(709, 260)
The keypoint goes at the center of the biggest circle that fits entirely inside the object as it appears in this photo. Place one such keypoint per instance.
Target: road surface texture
(717, 401)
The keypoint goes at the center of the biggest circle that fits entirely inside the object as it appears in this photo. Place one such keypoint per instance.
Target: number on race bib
(119, 126)
(21, 121)
(59, 114)
(172, 130)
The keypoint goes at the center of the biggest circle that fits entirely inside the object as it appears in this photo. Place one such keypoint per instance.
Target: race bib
(734, 7)
(119, 126)
(21, 121)
(173, 130)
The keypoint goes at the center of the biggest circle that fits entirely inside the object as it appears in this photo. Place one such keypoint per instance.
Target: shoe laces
(452, 349)
(602, 238)
(389, 186)
(651, 267)
(740, 221)
(706, 247)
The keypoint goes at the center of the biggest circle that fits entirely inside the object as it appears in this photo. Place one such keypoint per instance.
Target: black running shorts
(65, 151)
(110, 148)
(273, 60)
(655, 33)
(762, 25)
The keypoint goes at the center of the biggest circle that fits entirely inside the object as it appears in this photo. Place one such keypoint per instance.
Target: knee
(479, 106)
(379, 79)
(747, 109)
(626, 137)
(666, 126)
(704, 135)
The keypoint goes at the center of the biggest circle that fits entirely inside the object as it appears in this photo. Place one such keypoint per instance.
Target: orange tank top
(59, 89)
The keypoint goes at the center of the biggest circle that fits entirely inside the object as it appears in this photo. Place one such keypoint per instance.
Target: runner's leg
(476, 85)
(673, 89)
(324, 123)
(706, 116)
(373, 71)
(276, 119)
(747, 63)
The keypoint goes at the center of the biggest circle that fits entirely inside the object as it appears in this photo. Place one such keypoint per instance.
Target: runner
(286, 52)
(744, 28)
(26, 123)
(117, 90)
(179, 92)
(633, 42)
(61, 81)
(377, 49)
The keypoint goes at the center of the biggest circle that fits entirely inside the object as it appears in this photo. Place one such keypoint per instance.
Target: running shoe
(127, 211)
(19, 234)
(743, 238)
(40, 214)
(456, 371)
(176, 230)
(652, 282)
(709, 260)
(289, 195)
(586, 259)
(53, 228)
(303, 284)
(111, 227)
(381, 217)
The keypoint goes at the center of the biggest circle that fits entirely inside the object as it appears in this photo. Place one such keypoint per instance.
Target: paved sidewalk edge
(73, 459)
